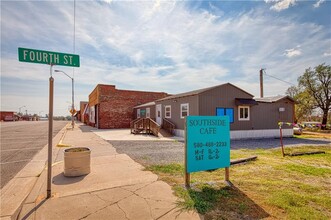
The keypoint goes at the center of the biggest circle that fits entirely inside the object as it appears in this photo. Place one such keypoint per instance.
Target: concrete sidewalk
(125, 135)
(116, 188)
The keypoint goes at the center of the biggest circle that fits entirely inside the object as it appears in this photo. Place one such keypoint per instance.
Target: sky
(162, 46)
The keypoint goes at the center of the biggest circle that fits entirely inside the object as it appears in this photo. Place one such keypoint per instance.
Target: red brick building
(113, 108)
(81, 112)
(7, 116)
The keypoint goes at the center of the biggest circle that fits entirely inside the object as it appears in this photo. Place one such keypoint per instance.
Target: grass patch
(296, 205)
(173, 168)
(314, 134)
(307, 170)
(202, 198)
(273, 186)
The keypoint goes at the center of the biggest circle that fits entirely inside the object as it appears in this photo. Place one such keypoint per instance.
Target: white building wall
(249, 134)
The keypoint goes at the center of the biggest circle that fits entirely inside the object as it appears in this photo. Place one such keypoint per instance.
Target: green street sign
(47, 57)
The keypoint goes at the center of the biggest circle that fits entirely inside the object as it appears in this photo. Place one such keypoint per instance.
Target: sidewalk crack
(108, 203)
(133, 191)
(167, 213)
(145, 199)
(122, 211)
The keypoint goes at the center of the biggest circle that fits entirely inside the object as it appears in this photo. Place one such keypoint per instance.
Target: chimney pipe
(261, 82)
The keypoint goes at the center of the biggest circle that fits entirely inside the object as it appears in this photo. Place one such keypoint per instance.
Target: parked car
(297, 130)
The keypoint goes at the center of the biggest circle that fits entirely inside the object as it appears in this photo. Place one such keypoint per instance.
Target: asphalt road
(20, 142)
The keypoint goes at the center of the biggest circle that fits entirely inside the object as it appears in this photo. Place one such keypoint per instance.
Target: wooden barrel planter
(77, 161)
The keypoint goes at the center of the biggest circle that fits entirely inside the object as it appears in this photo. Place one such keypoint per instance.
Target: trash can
(77, 161)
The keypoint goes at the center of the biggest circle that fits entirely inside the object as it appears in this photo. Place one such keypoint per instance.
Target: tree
(317, 83)
(306, 103)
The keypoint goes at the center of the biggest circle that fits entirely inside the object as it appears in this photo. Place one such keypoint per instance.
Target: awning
(245, 102)
(86, 110)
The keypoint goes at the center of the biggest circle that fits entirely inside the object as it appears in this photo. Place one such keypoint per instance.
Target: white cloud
(292, 52)
(318, 3)
(108, 1)
(163, 43)
(279, 5)
(327, 54)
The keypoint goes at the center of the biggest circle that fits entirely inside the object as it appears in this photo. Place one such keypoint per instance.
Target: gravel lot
(151, 152)
(162, 152)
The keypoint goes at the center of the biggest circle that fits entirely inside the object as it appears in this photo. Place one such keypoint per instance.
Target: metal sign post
(50, 58)
(50, 134)
(73, 105)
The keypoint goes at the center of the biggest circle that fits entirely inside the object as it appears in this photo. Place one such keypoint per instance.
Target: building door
(226, 112)
(96, 116)
(148, 112)
(158, 110)
(92, 115)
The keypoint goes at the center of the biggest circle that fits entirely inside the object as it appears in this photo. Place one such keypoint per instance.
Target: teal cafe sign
(207, 143)
(47, 57)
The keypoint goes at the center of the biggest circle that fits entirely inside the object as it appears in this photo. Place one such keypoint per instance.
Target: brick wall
(7, 116)
(82, 106)
(115, 107)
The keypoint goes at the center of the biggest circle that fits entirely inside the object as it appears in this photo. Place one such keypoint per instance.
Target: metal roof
(199, 91)
(274, 98)
(240, 101)
(144, 105)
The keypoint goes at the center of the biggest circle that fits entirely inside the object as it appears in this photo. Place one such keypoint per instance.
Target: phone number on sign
(210, 144)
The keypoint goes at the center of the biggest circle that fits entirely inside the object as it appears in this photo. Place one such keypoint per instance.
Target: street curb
(60, 144)
(13, 195)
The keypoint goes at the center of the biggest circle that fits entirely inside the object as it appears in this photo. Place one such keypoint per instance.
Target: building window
(167, 111)
(92, 114)
(143, 113)
(184, 110)
(138, 113)
(226, 111)
(148, 112)
(243, 112)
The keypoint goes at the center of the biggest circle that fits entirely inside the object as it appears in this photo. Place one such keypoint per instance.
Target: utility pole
(72, 96)
(19, 109)
(261, 82)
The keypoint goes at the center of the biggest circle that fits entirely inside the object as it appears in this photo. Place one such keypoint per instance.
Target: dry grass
(271, 187)
(310, 134)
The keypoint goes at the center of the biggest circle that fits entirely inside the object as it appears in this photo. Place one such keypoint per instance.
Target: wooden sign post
(281, 139)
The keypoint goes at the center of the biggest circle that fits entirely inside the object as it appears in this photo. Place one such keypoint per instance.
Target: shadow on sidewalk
(27, 215)
(60, 179)
(86, 128)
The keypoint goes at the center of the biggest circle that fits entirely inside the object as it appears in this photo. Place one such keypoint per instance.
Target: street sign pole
(50, 135)
(50, 58)
(73, 105)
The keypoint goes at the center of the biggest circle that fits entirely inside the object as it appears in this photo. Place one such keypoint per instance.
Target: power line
(277, 78)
